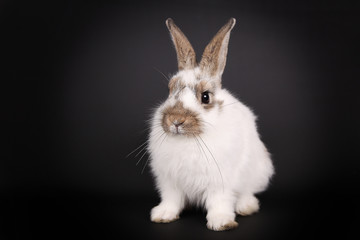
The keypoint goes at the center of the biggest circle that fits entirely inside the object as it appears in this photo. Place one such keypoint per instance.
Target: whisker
(147, 141)
(151, 121)
(163, 140)
(143, 147)
(203, 151)
(140, 158)
(152, 126)
(136, 149)
(147, 160)
(197, 143)
(157, 140)
(229, 104)
(203, 121)
(217, 165)
(141, 150)
(162, 75)
(158, 132)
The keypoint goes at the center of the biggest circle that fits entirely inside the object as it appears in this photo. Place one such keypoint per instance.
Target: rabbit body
(205, 149)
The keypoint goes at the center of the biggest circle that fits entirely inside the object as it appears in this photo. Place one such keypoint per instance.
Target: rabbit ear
(185, 53)
(213, 60)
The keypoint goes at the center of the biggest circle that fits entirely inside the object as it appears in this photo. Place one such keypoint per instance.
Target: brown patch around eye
(187, 119)
(202, 87)
(213, 104)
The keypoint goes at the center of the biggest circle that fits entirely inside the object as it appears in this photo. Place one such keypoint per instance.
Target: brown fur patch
(160, 220)
(175, 83)
(214, 57)
(189, 120)
(204, 86)
(228, 226)
(172, 85)
(213, 104)
(185, 53)
(201, 87)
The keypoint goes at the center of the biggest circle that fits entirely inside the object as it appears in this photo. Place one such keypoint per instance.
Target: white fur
(222, 175)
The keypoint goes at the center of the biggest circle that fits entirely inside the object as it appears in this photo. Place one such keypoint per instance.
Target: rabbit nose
(178, 123)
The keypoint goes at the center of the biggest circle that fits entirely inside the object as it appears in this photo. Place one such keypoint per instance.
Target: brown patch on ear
(213, 59)
(185, 53)
(188, 119)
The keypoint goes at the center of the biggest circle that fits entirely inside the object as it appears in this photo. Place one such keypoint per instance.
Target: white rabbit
(204, 146)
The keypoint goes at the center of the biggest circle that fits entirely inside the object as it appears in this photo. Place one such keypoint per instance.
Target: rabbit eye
(205, 97)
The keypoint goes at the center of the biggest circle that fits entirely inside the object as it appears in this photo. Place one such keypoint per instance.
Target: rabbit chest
(188, 163)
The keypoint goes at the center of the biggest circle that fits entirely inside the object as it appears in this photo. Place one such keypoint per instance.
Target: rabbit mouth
(177, 128)
(180, 121)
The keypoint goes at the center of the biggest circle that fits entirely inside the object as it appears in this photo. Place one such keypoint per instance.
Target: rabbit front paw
(221, 222)
(164, 214)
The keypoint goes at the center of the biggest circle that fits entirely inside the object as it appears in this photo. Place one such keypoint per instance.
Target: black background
(80, 80)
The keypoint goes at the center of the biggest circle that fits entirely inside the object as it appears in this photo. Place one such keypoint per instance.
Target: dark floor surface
(65, 214)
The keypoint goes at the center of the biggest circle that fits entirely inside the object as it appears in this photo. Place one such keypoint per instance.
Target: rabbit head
(193, 90)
